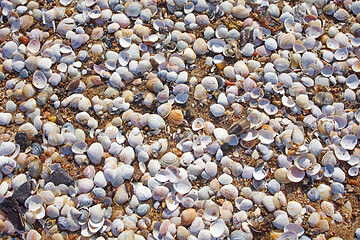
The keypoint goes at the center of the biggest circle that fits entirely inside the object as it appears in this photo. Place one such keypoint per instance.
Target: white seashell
(182, 186)
(341, 153)
(143, 193)
(217, 110)
(34, 203)
(156, 122)
(5, 118)
(200, 47)
(160, 193)
(293, 208)
(39, 80)
(95, 152)
(216, 45)
(349, 141)
(85, 185)
(217, 228)
(295, 174)
(229, 191)
(7, 148)
(55, 139)
(79, 147)
(210, 83)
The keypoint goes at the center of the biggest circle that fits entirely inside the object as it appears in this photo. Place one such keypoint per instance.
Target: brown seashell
(24, 40)
(176, 117)
(188, 216)
(73, 85)
(26, 22)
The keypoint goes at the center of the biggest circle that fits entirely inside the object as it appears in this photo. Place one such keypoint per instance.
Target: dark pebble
(22, 193)
(22, 139)
(12, 210)
(60, 176)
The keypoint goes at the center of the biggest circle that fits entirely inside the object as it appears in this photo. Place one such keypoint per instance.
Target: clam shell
(39, 80)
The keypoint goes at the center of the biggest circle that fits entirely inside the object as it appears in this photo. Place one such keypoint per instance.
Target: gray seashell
(10, 49)
(239, 235)
(36, 149)
(273, 186)
(63, 223)
(85, 200)
(337, 188)
(143, 209)
(314, 194)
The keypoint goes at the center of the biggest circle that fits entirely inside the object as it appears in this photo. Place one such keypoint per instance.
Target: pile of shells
(186, 119)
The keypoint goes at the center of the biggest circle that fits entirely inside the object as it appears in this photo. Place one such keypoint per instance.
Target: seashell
(327, 208)
(217, 228)
(323, 98)
(313, 194)
(305, 161)
(155, 84)
(79, 147)
(26, 21)
(33, 235)
(143, 193)
(33, 46)
(188, 216)
(217, 110)
(240, 11)
(97, 33)
(5, 118)
(160, 193)
(341, 14)
(349, 141)
(182, 186)
(229, 191)
(169, 159)
(95, 152)
(117, 227)
(85, 185)
(295, 174)
(211, 213)
(39, 80)
(286, 40)
(132, 9)
(341, 153)
(200, 46)
(216, 45)
(293, 208)
(176, 117)
(55, 139)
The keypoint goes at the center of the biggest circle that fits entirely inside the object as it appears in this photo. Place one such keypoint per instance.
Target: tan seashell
(97, 33)
(200, 47)
(141, 30)
(176, 117)
(26, 22)
(188, 216)
(200, 92)
(182, 233)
